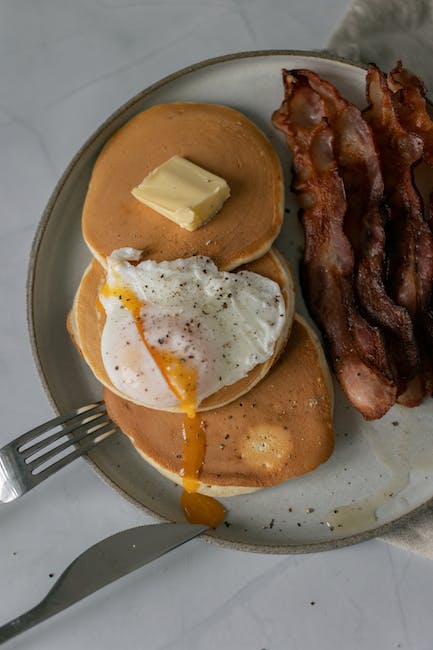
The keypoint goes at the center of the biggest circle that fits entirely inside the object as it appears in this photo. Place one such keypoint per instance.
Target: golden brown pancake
(217, 138)
(86, 321)
(280, 429)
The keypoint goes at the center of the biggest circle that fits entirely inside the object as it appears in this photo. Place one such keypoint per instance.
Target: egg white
(224, 324)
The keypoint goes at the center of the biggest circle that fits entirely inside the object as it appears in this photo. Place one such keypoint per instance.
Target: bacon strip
(411, 107)
(356, 348)
(359, 165)
(410, 248)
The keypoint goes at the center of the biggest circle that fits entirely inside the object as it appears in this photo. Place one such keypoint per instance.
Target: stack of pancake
(276, 421)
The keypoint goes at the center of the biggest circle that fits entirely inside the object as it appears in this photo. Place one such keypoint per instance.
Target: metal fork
(31, 458)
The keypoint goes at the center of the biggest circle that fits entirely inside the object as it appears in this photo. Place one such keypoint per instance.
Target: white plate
(379, 472)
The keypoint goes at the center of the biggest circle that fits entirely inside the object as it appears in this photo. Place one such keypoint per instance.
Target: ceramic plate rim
(282, 549)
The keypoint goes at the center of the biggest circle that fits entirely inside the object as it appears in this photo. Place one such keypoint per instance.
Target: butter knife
(101, 564)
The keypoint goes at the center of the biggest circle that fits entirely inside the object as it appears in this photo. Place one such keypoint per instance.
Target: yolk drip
(194, 448)
(201, 509)
(198, 508)
(181, 378)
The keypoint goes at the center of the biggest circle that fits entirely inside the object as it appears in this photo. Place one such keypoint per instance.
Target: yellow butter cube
(183, 192)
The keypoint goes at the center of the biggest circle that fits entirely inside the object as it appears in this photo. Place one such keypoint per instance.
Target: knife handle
(101, 564)
(25, 621)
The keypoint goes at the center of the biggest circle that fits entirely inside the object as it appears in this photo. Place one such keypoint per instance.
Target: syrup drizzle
(181, 378)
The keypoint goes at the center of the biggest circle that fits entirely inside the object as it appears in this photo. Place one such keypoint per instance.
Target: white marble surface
(64, 67)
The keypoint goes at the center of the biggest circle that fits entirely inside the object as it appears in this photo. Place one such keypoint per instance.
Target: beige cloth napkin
(383, 31)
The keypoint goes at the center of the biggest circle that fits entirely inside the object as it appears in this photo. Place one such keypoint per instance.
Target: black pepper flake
(395, 423)
(312, 602)
(271, 523)
(116, 367)
(227, 524)
(227, 436)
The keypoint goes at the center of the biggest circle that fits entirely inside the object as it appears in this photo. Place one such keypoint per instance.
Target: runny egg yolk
(181, 378)
(198, 508)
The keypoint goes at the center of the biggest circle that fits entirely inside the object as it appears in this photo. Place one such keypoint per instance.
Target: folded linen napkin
(384, 31)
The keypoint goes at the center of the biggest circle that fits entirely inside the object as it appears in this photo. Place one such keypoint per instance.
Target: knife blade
(101, 564)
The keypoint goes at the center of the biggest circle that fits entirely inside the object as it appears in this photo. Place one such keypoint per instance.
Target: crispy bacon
(410, 242)
(411, 107)
(356, 348)
(359, 165)
(410, 104)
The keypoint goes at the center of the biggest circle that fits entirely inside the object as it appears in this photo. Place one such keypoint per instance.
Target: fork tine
(83, 449)
(79, 434)
(95, 407)
(71, 429)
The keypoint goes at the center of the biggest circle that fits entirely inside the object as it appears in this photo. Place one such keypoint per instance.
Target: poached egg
(176, 332)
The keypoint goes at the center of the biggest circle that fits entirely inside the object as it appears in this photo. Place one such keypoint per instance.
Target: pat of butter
(183, 192)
